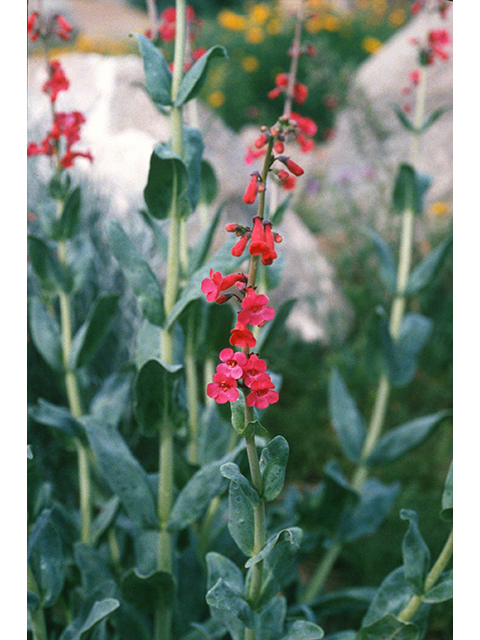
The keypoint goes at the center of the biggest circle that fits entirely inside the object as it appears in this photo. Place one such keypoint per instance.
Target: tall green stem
(377, 420)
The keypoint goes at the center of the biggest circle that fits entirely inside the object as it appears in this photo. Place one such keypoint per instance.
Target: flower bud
(231, 227)
(252, 189)
(261, 141)
(291, 165)
(239, 247)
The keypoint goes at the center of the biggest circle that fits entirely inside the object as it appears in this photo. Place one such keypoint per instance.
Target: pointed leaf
(409, 190)
(52, 274)
(346, 419)
(396, 442)
(293, 535)
(389, 628)
(192, 156)
(222, 597)
(241, 519)
(109, 403)
(231, 471)
(277, 216)
(273, 329)
(208, 183)
(46, 559)
(83, 623)
(144, 592)
(337, 496)
(303, 630)
(273, 465)
(279, 567)
(442, 591)
(433, 117)
(447, 497)
(45, 334)
(91, 334)
(70, 217)
(388, 269)
(167, 183)
(57, 417)
(270, 620)
(221, 567)
(404, 119)
(416, 555)
(423, 274)
(138, 274)
(126, 477)
(158, 77)
(194, 79)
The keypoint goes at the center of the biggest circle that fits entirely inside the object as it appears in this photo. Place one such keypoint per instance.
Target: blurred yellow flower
(331, 23)
(250, 64)
(254, 35)
(232, 21)
(370, 44)
(259, 13)
(216, 99)
(380, 7)
(397, 17)
(314, 24)
(274, 26)
(440, 208)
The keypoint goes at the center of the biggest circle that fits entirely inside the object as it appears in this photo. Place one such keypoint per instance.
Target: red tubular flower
(232, 363)
(252, 154)
(279, 146)
(253, 368)
(291, 165)
(64, 28)
(33, 30)
(223, 388)
(261, 141)
(281, 80)
(300, 93)
(242, 337)
(216, 283)
(257, 244)
(255, 310)
(270, 254)
(69, 156)
(305, 144)
(57, 81)
(438, 39)
(262, 393)
(239, 247)
(274, 93)
(306, 125)
(252, 189)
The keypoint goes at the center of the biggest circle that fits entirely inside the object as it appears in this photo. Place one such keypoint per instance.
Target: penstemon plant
(199, 537)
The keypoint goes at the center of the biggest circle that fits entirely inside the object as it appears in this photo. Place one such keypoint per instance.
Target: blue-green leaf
(442, 591)
(241, 519)
(424, 272)
(293, 535)
(389, 628)
(46, 559)
(223, 597)
(85, 621)
(304, 630)
(447, 497)
(409, 190)
(346, 419)
(270, 619)
(194, 79)
(69, 221)
(58, 417)
(138, 274)
(208, 183)
(111, 400)
(144, 592)
(273, 465)
(192, 156)
(221, 567)
(388, 269)
(404, 119)
(91, 334)
(231, 471)
(52, 274)
(158, 78)
(279, 566)
(416, 554)
(273, 329)
(202, 247)
(45, 334)
(167, 183)
(156, 390)
(396, 442)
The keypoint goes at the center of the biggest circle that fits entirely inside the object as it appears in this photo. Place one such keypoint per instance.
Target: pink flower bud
(231, 227)
(261, 141)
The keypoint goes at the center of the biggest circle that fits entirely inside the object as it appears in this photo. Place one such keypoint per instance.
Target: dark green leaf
(105, 518)
(273, 329)
(192, 156)
(138, 274)
(29, 452)
(404, 120)
(213, 435)
(53, 276)
(45, 334)
(343, 600)
(279, 567)
(222, 597)
(231, 471)
(416, 555)
(238, 414)
(70, 217)
(376, 502)
(396, 442)
(409, 190)
(158, 77)
(194, 79)
(94, 569)
(109, 403)
(277, 216)
(342, 635)
(442, 591)
(389, 628)
(156, 387)
(60, 418)
(33, 601)
(91, 334)
(346, 419)
(159, 236)
(46, 559)
(433, 117)
(270, 619)
(303, 630)
(336, 496)
(145, 542)
(388, 269)
(273, 464)
(293, 535)
(86, 621)
(447, 497)
(146, 592)
(167, 184)
(401, 355)
(124, 474)
(203, 245)
(423, 274)
(241, 519)
(208, 183)
(221, 567)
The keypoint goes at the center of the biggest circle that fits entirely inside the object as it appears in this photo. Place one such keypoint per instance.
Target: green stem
(37, 616)
(379, 412)
(191, 377)
(409, 611)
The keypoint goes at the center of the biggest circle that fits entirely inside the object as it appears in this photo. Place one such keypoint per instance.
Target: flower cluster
(65, 129)
(300, 91)
(57, 25)
(261, 237)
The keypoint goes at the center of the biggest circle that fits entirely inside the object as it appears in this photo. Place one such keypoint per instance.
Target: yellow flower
(397, 17)
(250, 64)
(254, 35)
(331, 23)
(314, 24)
(439, 208)
(232, 21)
(259, 13)
(216, 99)
(370, 45)
(274, 26)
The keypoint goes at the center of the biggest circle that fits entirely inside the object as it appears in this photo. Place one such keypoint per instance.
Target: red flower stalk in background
(57, 81)
(33, 29)
(64, 28)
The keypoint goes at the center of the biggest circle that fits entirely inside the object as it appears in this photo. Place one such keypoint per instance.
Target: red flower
(254, 309)
(239, 247)
(261, 141)
(252, 189)
(57, 81)
(262, 393)
(414, 76)
(279, 146)
(242, 337)
(291, 165)
(258, 244)
(300, 93)
(253, 368)
(252, 154)
(438, 39)
(306, 125)
(68, 125)
(281, 80)
(223, 388)
(270, 254)
(64, 28)
(232, 363)
(216, 283)
(69, 156)
(32, 26)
